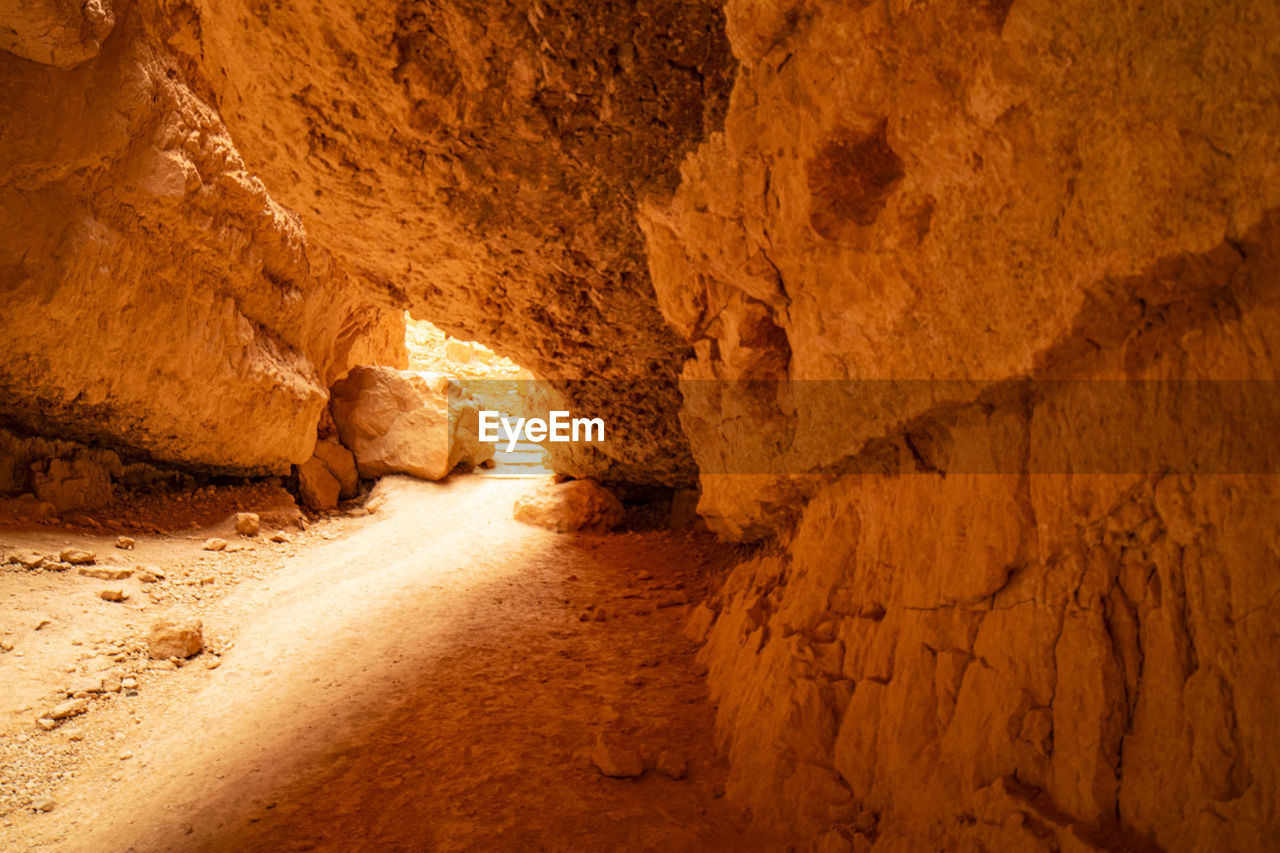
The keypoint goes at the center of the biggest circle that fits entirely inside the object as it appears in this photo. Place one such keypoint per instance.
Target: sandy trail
(424, 682)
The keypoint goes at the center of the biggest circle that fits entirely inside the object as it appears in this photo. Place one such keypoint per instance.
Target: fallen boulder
(578, 505)
(407, 422)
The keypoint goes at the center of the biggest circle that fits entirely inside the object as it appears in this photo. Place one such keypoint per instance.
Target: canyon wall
(973, 629)
(481, 162)
(969, 626)
(157, 299)
(242, 195)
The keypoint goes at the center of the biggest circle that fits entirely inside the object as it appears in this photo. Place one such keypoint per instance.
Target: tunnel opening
(497, 385)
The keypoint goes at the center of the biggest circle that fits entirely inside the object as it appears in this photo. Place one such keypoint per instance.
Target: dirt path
(424, 681)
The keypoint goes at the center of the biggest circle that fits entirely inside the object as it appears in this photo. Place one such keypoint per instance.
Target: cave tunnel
(800, 425)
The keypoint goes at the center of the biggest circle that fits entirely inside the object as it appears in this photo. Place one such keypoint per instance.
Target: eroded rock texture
(482, 162)
(955, 191)
(56, 32)
(238, 191)
(926, 656)
(156, 298)
(988, 192)
(1099, 684)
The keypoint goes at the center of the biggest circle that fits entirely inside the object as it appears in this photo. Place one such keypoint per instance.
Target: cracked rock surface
(951, 642)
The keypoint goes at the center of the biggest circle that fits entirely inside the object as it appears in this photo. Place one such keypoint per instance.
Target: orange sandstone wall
(156, 297)
(482, 161)
(929, 656)
(236, 193)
